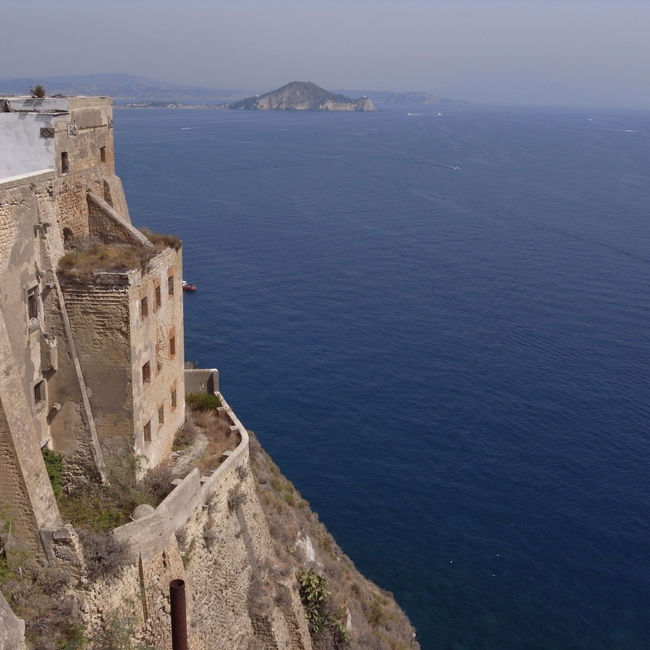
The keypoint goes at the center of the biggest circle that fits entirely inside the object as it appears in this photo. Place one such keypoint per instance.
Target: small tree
(38, 91)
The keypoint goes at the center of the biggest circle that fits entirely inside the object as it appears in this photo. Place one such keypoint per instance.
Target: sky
(540, 52)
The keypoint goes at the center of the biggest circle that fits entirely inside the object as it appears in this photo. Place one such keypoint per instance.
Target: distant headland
(302, 96)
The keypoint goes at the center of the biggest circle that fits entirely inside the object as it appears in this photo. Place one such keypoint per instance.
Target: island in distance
(302, 96)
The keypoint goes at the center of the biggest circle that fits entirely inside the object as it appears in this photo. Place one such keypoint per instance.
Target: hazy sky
(528, 51)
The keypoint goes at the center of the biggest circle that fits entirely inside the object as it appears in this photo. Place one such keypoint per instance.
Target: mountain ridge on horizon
(126, 88)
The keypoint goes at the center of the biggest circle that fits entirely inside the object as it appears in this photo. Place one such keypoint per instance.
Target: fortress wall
(99, 317)
(24, 150)
(12, 628)
(82, 132)
(223, 543)
(28, 494)
(203, 380)
(149, 534)
(157, 339)
(105, 223)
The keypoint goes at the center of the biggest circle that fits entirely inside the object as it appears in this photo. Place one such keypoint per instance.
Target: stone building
(91, 315)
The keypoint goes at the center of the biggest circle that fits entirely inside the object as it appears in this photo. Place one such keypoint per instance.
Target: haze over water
(452, 365)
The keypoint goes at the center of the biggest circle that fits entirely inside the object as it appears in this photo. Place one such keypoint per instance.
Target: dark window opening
(68, 238)
(39, 392)
(170, 285)
(32, 303)
(172, 346)
(147, 432)
(64, 162)
(173, 398)
(158, 297)
(102, 154)
(161, 414)
(146, 373)
(144, 307)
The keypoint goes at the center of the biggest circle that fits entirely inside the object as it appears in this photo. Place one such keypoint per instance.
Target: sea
(437, 321)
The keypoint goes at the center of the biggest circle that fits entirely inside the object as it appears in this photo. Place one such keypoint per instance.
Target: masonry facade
(91, 356)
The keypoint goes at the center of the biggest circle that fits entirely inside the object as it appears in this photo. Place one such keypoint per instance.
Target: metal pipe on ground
(178, 615)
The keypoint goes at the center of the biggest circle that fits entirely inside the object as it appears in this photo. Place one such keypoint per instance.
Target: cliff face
(303, 96)
(91, 339)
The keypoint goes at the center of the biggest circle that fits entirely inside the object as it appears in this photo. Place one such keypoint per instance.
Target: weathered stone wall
(43, 380)
(157, 339)
(99, 316)
(23, 384)
(202, 380)
(212, 533)
(12, 629)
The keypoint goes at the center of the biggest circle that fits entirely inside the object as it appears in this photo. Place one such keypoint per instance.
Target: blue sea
(439, 327)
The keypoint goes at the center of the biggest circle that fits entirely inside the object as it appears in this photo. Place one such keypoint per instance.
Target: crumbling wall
(159, 401)
(99, 316)
(212, 533)
(12, 628)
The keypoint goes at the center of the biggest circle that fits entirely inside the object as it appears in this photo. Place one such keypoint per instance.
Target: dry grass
(161, 240)
(39, 594)
(213, 430)
(92, 256)
(100, 507)
(377, 620)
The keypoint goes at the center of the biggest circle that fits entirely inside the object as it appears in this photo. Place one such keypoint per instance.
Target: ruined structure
(91, 366)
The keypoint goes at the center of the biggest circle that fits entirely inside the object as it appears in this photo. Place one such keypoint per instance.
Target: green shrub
(54, 465)
(203, 401)
(321, 616)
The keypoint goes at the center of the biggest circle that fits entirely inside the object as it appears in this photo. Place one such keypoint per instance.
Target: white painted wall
(22, 149)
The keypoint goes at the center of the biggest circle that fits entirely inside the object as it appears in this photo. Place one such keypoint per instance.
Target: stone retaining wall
(12, 628)
(152, 533)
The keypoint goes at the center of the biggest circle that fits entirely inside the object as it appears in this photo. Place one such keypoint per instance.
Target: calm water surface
(438, 327)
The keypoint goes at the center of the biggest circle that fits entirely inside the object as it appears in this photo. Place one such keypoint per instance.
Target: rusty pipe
(178, 614)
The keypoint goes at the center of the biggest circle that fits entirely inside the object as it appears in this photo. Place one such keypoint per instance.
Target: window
(146, 373)
(64, 162)
(158, 297)
(39, 392)
(173, 398)
(144, 307)
(147, 432)
(32, 303)
(172, 346)
(102, 154)
(170, 285)
(161, 414)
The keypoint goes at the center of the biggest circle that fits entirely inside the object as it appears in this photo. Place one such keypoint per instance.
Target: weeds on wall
(116, 633)
(205, 435)
(91, 255)
(95, 506)
(377, 621)
(54, 466)
(202, 401)
(323, 619)
(34, 592)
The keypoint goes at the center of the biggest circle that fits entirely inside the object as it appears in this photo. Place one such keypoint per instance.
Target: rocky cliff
(303, 96)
